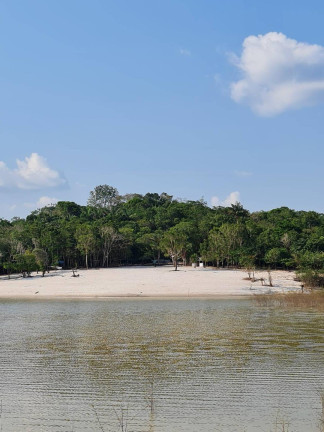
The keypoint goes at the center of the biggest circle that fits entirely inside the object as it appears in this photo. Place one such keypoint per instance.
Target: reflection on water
(159, 365)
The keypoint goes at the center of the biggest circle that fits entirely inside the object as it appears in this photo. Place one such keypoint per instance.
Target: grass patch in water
(313, 299)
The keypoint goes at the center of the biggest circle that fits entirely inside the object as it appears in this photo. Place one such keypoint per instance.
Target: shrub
(312, 278)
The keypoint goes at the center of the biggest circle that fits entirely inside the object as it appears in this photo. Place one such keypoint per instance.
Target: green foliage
(9, 267)
(137, 229)
(103, 196)
(194, 258)
(276, 256)
(312, 278)
(86, 240)
(175, 242)
(313, 260)
(25, 263)
(41, 259)
(247, 261)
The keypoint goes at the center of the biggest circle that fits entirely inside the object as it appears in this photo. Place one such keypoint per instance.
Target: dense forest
(138, 229)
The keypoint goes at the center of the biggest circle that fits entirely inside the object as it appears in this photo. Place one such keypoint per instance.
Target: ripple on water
(220, 365)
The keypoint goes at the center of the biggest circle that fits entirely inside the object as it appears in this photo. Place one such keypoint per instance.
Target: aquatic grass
(98, 419)
(321, 422)
(281, 425)
(313, 300)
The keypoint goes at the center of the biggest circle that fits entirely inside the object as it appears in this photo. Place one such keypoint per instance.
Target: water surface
(159, 365)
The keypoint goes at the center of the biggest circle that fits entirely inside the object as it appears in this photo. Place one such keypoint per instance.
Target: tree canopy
(137, 229)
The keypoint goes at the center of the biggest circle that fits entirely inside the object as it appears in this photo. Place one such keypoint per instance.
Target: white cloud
(279, 74)
(31, 173)
(215, 202)
(232, 198)
(43, 201)
(185, 52)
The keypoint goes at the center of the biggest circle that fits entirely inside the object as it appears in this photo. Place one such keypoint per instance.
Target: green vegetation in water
(187, 365)
(125, 416)
(314, 300)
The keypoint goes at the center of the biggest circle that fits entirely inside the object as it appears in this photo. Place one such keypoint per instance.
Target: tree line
(137, 229)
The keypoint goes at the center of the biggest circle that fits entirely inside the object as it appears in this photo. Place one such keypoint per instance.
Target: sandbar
(146, 282)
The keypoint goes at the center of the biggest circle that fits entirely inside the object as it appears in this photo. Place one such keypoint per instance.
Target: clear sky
(216, 99)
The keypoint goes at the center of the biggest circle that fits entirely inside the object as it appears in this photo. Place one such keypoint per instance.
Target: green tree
(25, 263)
(103, 196)
(109, 239)
(152, 243)
(174, 243)
(41, 260)
(276, 256)
(85, 241)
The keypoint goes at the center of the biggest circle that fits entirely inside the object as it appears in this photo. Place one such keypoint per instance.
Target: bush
(312, 278)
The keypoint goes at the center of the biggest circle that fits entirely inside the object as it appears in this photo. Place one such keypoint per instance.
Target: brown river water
(159, 365)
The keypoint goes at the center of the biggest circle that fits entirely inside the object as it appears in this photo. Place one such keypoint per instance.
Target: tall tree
(110, 237)
(85, 241)
(41, 260)
(174, 243)
(103, 196)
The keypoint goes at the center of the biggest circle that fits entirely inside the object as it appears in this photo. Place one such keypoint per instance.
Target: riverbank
(145, 282)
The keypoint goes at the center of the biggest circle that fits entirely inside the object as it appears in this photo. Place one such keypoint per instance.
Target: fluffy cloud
(232, 198)
(279, 74)
(43, 201)
(31, 173)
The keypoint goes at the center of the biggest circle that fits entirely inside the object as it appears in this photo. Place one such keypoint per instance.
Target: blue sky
(154, 96)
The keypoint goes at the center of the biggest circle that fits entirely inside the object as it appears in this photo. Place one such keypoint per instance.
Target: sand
(144, 282)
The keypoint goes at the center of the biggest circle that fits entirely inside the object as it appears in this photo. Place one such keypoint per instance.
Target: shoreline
(145, 283)
(125, 298)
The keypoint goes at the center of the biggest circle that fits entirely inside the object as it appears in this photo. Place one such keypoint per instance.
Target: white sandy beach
(144, 282)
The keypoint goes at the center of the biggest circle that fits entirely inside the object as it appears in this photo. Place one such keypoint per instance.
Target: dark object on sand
(75, 274)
